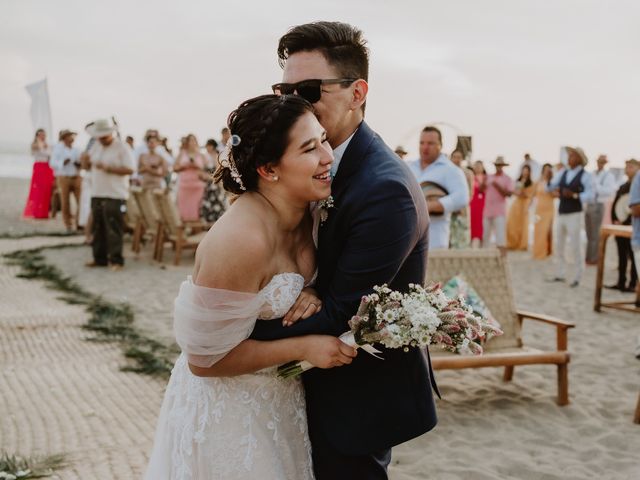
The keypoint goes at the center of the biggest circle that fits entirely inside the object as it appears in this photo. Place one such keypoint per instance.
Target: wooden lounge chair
(180, 234)
(148, 221)
(487, 272)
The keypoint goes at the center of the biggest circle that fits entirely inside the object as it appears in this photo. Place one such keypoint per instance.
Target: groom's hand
(306, 305)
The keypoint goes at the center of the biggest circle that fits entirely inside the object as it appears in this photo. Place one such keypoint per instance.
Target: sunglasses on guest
(310, 90)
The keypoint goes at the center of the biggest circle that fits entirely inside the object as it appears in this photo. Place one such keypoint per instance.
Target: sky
(517, 75)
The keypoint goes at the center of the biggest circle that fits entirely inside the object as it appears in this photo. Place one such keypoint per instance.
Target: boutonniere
(324, 206)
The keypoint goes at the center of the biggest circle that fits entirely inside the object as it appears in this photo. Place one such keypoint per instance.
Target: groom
(376, 233)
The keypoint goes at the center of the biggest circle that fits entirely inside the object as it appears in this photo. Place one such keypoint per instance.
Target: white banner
(40, 110)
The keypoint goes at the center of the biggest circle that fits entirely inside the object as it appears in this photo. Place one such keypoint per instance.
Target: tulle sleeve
(210, 322)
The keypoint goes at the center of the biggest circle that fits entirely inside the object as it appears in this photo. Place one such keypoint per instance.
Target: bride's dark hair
(263, 124)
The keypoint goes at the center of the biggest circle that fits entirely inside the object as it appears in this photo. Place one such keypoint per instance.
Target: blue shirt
(448, 175)
(634, 199)
(587, 193)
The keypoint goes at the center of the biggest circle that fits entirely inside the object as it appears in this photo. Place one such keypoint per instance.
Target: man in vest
(574, 186)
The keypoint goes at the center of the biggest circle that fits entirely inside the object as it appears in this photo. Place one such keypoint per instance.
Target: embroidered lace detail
(244, 427)
(280, 294)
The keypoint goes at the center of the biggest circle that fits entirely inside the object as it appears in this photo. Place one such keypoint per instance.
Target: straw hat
(65, 133)
(500, 162)
(101, 128)
(578, 151)
(400, 150)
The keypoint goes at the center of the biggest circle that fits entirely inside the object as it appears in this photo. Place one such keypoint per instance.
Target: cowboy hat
(578, 151)
(65, 133)
(400, 150)
(499, 162)
(101, 128)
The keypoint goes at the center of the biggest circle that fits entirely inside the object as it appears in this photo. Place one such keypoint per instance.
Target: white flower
(324, 206)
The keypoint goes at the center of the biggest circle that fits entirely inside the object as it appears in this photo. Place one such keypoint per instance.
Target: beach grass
(15, 467)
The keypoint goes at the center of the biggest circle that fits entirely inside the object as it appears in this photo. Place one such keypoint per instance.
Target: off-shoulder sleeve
(210, 322)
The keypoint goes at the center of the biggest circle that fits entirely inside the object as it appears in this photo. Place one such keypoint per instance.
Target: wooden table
(607, 231)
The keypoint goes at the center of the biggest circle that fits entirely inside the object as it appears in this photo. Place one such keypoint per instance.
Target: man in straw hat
(400, 151)
(111, 163)
(65, 161)
(604, 184)
(497, 187)
(574, 186)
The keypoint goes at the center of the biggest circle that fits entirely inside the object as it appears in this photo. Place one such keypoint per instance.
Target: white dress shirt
(446, 174)
(338, 153)
(59, 154)
(604, 184)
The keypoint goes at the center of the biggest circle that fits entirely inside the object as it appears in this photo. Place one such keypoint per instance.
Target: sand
(487, 429)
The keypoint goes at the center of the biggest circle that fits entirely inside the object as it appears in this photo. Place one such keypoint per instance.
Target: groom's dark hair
(343, 45)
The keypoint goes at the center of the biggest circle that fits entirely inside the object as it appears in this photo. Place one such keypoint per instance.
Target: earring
(275, 178)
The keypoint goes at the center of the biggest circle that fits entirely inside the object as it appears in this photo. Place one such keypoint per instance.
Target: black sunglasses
(310, 90)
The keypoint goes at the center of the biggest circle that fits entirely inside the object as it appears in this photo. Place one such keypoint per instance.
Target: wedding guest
(42, 178)
(152, 167)
(85, 219)
(160, 149)
(401, 152)
(129, 141)
(634, 204)
(544, 213)
(434, 167)
(65, 161)
(497, 188)
(190, 166)
(111, 164)
(225, 134)
(518, 219)
(534, 167)
(604, 190)
(214, 200)
(460, 235)
(477, 204)
(625, 254)
(574, 186)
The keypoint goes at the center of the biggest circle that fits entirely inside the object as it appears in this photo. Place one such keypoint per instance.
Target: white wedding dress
(245, 427)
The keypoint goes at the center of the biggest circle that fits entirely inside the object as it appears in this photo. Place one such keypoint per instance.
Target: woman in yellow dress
(518, 218)
(543, 226)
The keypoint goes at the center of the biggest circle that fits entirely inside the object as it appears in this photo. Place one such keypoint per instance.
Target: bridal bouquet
(424, 316)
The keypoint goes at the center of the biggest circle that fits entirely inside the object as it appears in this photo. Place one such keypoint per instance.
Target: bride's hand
(325, 351)
(306, 305)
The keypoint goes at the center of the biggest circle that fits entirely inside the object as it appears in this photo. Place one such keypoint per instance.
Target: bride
(255, 264)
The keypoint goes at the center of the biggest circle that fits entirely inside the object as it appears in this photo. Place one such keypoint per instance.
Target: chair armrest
(561, 326)
(544, 318)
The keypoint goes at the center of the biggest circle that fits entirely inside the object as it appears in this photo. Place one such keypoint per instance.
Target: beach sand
(487, 429)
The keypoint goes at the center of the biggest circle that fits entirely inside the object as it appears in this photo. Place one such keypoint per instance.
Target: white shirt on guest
(446, 174)
(109, 185)
(59, 154)
(604, 186)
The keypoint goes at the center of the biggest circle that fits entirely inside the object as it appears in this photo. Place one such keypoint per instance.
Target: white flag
(40, 110)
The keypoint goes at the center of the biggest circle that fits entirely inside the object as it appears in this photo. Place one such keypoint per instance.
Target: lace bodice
(280, 294)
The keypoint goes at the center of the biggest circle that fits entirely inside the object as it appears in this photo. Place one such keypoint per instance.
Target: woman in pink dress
(477, 204)
(190, 167)
(42, 179)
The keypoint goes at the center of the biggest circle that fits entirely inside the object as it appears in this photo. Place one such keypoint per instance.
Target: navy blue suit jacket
(375, 234)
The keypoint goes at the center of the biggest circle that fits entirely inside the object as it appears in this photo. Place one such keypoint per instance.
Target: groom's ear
(360, 90)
